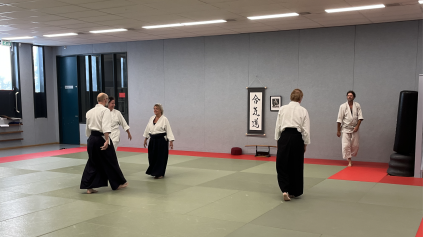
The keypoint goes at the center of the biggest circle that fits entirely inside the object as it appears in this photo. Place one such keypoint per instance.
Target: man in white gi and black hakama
(293, 135)
(349, 119)
(102, 165)
(161, 137)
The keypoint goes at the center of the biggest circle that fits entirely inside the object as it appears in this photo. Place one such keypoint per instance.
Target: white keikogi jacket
(162, 126)
(349, 121)
(117, 120)
(99, 119)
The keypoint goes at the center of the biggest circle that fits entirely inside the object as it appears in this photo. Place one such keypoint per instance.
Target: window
(5, 69)
(122, 85)
(40, 98)
(103, 73)
(9, 82)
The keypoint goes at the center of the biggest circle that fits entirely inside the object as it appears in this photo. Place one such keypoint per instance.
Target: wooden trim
(2, 133)
(10, 125)
(18, 147)
(14, 139)
(259, 146)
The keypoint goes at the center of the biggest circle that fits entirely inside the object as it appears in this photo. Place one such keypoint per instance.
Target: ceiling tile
(79, 26)
(209, 15)
(7, 8)
(107, 4)
(81, 14)
(101, 18)
(62, 9)
(80, 1)
(40, 4)
(126, 9)
(63, 22)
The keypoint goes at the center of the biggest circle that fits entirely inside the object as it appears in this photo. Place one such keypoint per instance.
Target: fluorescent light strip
(272, 16)
(355, 8)
(421, 2)
(59, 35)
(203, 22)
(162, 26)
(107, 31)
(18, 38)
(185, 24)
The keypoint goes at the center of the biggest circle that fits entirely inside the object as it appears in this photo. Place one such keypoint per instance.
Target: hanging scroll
(256, 111)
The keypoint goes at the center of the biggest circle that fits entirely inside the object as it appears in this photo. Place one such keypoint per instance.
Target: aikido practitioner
(349, 119)
(102, 164)
(161, 137)
(117, 121)
(293, 135)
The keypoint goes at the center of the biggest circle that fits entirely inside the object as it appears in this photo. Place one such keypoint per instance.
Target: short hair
(111, 98)
(160, 107)
(297, 95)
(101, 97)
(352, 92)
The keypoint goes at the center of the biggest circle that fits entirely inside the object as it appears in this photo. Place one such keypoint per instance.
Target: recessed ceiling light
(106, 31)
(272, 16)
(202, 22)
(59, 35)
(421, 2)
(162, 26)
(18, 38)
(185, 24)
(355, 8)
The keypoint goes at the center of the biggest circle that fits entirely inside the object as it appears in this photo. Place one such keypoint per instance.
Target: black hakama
(102, 166)
(290, 162)
(158, 153)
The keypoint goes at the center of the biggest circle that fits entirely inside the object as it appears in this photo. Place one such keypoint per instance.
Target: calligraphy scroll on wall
(255, 111)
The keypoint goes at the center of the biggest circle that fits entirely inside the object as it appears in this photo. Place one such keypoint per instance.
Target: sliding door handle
(16, 100)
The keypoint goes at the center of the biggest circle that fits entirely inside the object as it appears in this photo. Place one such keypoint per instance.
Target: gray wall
(202, 83)
(36, 131)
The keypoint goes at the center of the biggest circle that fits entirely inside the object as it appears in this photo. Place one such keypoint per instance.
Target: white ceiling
(40, 17)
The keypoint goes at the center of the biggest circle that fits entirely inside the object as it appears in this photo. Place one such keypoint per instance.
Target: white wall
(202, 83)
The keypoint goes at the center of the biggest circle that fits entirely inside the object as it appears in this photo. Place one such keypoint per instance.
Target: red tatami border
(360, 171)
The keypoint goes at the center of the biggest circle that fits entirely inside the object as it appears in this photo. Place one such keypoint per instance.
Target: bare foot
(286, 197)
(123, 185)
(89, 191)
(349, 162)
(159, 177)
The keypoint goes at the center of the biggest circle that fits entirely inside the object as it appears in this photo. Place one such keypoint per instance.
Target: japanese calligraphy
(255, 111)
(255, 123)
(255, 99)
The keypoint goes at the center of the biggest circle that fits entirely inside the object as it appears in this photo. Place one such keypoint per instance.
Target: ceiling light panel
(185, 24)
(272, 16)
(355, 8)
(19, 38)
(60, 35)
(107, 31)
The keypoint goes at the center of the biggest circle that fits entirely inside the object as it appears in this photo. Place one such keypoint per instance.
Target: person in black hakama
(161, 138)
(102, 165)
(293, 135)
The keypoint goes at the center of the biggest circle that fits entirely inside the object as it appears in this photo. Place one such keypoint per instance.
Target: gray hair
(160, 107)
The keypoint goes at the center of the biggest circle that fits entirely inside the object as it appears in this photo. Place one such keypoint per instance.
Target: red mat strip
(361, 171)
(41, 154)
(420, 230)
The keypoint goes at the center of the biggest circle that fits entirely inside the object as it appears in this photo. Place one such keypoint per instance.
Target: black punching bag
(402, 162)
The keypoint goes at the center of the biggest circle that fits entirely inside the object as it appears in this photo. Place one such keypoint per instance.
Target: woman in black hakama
(161, 138)
(293, 135)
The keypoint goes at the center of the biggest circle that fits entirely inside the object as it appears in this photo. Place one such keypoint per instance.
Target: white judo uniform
(117, 121)
(348, 120)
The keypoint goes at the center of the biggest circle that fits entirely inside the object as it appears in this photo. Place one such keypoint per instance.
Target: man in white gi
(102, 165)
(349, 119)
